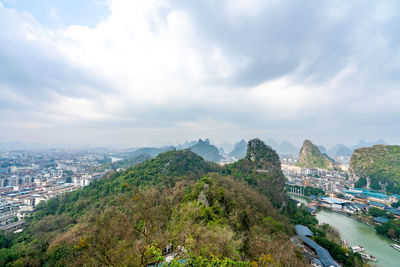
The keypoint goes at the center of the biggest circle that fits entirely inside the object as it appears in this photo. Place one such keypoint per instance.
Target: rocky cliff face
(380, 164)
(311, 157)
(261, 168)
(263, 157)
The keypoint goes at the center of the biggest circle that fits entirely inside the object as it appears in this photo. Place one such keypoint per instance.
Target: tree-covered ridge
(230, 221)
(380, 164)
(261, 168)
(176, 198)
(311, 157)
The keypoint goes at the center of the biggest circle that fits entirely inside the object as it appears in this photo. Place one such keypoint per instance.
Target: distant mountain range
(322, 149)
(151, 151)
(284, 147)
(343, 150)
(206, 150)
(240, 150)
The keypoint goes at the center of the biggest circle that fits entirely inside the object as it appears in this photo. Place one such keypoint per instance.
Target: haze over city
(157, 72)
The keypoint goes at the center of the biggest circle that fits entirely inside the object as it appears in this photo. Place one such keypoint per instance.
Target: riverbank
(358, 233)
(357, 215)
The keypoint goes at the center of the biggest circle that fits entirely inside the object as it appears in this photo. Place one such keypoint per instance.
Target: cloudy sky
(157, 71)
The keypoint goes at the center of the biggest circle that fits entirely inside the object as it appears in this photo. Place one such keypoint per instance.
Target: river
(300, 198)
(358, 233)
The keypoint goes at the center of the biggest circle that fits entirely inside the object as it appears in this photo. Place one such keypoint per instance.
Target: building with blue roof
(368, 193)
(380, 220)
(376, 204)
(360, 206)
(324, 256)
(333, 200)
(303, 230)
(394, 211)
(332, 203)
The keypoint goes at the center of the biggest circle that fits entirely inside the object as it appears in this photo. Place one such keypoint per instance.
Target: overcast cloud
(145, 72)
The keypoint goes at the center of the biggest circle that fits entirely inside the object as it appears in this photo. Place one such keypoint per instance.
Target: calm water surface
(358, 233)
(300, 198)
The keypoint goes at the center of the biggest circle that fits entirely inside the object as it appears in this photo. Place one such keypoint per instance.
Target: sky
(115, 72)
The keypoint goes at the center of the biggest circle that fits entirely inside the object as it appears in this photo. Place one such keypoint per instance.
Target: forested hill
(380, 164)
(261, 168)
(311, 157)
(130, 217)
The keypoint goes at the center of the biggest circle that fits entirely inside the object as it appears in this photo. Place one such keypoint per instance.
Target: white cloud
(158, 63)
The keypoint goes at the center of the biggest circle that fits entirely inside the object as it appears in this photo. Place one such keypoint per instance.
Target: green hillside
(380, 164)
(311, 157)
(261, 168)
(177, 198)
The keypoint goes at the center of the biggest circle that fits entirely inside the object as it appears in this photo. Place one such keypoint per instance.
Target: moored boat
(395, 246)
(368, 257)
(357, 248)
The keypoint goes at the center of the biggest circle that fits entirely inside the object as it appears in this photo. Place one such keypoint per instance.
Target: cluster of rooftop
(320, 257)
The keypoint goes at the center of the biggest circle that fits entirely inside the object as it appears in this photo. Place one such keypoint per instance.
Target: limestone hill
(380, 164)
(311, 157)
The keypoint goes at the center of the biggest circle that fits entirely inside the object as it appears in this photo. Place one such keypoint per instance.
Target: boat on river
(368, 257)
(395, 246)
(357, 248)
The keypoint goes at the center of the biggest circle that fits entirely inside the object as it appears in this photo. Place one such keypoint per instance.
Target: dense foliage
(361, 183)
(177, 200)
(390, 229)
(375, 212)
(381, 164)
(261, 168)
(396, 204)
(311, 157)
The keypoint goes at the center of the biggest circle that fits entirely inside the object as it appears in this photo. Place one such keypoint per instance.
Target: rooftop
(394, 211)
(363, 196)
(381, 220)
(333, 200)
(377, 204)
(303, 230)
(323, 254)
(361, 206)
